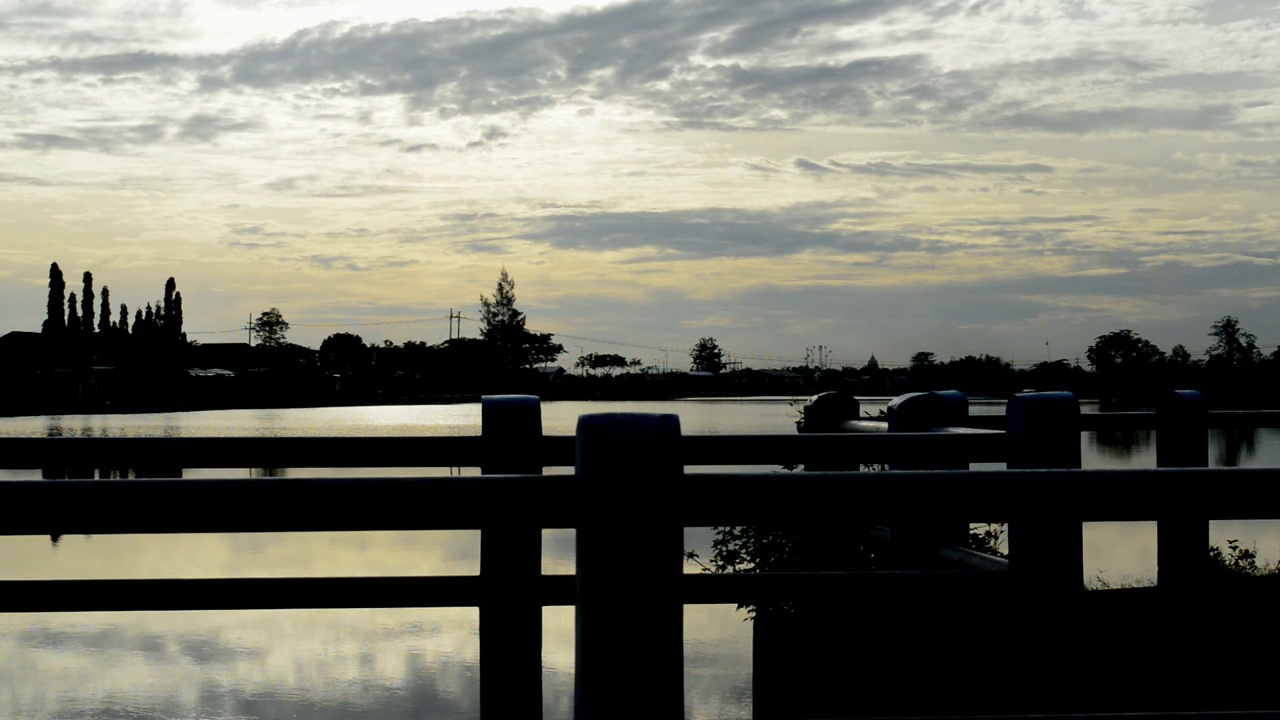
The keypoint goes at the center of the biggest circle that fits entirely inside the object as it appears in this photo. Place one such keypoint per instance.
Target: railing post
(915, 413)
(1045, 541)
(825, 413)
(630, 621)
(511, 566)
(1182, 537)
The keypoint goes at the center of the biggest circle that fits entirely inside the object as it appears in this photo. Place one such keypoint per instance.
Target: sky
(1013, 177)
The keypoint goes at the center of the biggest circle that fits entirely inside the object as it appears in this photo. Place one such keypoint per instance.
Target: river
(400, 663)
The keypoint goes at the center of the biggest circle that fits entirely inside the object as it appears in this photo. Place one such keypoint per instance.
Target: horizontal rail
(1141, 420)
(462, 451)
(73, 507)
(323, 593)
(981, 496)
(113, 506)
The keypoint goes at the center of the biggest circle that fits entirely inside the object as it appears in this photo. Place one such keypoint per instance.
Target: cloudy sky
(875, 176)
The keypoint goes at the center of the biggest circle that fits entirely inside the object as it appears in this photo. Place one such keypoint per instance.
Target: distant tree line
(84, 330)
(69, 317)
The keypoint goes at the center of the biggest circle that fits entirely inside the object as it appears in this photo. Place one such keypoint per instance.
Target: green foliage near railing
(988, 538)
(1240, 562)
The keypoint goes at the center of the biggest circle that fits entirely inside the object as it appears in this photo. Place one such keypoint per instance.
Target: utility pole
(249, 328)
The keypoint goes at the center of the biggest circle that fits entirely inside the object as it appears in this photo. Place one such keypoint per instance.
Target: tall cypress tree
(104, 315)
(55, 322)
(138, 327)
(86, 303)
(177, 316)
(166, 314)
(73, 316)
(123, 325)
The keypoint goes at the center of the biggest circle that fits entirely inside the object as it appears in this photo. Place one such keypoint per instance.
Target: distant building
(22, 350)
(236, 357)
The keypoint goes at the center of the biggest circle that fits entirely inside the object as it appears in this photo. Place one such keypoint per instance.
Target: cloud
(809, 166)
(1120, 119)
(1208, 259)
(207, 127)
(109, 137)
(354, 263)
(885, 168)
(489, 135)
(723, 232)
(734, 64)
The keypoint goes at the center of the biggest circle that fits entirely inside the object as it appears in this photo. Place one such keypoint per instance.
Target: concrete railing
(629, 499)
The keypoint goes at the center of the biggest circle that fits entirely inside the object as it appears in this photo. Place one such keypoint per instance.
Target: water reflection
(309, 664)
(1233, 447)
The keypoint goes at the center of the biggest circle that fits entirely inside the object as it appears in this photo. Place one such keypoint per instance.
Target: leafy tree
(608, 362)
(345, 352)
(86, 303)
(1233, 347)
(922, 358)
(503, 327)
(706, 356)
(1179, 356)
(540, 349)
(55, 322)
(104, 315)
(1123, 352)
(270, 328)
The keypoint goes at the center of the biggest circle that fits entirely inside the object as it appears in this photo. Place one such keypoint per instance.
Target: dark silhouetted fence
(1059, 648)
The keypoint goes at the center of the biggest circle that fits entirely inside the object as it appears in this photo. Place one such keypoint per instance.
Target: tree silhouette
(1178, 355)
(122, 326)
(270, 328)
(139, 323)
(55, 322)
(502, 326)
(1123, 353)
(86, 303)
(706, 356)
(345, 352)
(176, 320)
(104, 315)
(923, 358)
(73, 315)
(609, 362)
(170, 287)
(1233, 347)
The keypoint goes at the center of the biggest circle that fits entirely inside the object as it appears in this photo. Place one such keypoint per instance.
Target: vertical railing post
(825, 413)
(1045, 541)
(1182, 536)
(919, 412)
(511, 566)
(630, 621)
(1046, 557)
